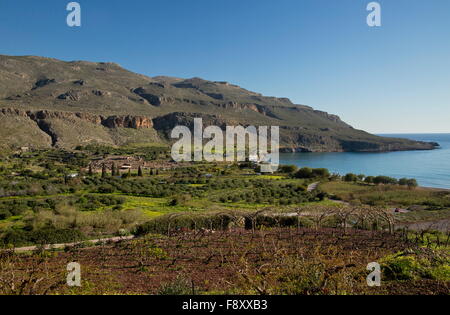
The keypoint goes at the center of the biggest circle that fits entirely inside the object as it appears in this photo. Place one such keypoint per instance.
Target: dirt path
(59, 246)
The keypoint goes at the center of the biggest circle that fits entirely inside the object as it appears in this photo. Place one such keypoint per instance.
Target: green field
(38, 197)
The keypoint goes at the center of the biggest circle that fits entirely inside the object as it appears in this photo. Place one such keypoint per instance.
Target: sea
(430, 168)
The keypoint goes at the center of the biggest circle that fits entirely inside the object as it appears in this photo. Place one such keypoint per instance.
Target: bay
(430, 168)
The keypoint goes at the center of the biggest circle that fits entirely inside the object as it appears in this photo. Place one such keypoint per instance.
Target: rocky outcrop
(135, 122)
(72, 96)
(150, 98)
(307, 143)
(260, 109)
(43, 82)
(45, 115)
(13, 112)
(76, 96)
(293, 139)
(166, 123)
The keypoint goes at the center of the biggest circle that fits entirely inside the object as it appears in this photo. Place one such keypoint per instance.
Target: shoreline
(433, 188)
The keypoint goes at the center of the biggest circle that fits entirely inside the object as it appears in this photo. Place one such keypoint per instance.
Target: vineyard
(238, 261)
(208, 228)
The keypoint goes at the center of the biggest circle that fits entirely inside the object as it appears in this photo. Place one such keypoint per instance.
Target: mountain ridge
(80, 102)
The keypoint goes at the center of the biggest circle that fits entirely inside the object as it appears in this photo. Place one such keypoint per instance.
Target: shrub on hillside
(304, 172)
(350, 177)
(46, 235)
(321, 172)
(386, 180)
(288, 169)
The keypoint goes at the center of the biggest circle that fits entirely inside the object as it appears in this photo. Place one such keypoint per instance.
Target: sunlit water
(430, 168)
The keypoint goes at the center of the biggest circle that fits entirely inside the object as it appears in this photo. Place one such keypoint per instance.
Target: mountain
(52, 103)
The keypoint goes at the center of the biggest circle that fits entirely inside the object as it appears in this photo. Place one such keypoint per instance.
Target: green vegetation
(46, 190)
(419, 264)
(60, 190)
(211, 215)
(41, 236)
(388, 195)
(179, 286)
(307, 172)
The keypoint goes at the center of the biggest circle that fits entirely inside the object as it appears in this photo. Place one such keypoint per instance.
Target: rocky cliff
(47, 102)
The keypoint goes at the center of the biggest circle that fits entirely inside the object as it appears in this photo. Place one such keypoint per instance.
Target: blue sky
(395, 78)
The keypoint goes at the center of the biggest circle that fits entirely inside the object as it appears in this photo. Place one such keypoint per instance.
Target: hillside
(47, 102)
